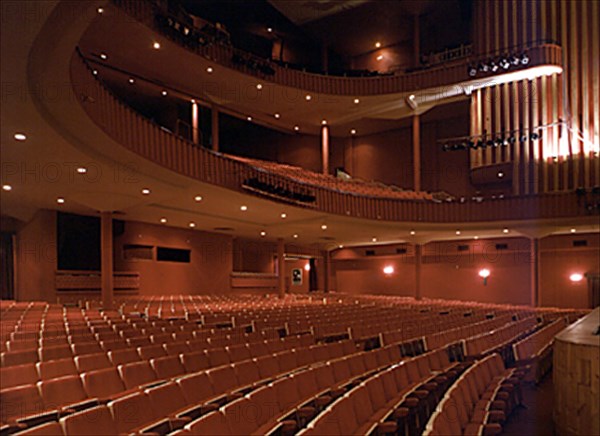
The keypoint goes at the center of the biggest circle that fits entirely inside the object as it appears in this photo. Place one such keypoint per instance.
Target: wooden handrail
(151, 142)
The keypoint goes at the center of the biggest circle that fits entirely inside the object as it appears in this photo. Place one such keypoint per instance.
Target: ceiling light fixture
(163, 220)
(243, 208)
(505, 230)
(259, 86)
(192, 224)
(146, 191)
(295, 235)
(413, 233)
(308, 97)
(323, 226)
(277, 115)
(60, 200)
(164, 93)
(20, 136)
(263, 233)
(374, 239)
(6, 188)
(100, 10)
(377, 44)
(573, 230)
(103, 56)
(324, 122)
(283, 216)
(131, 80)
(380, 57)
(209, 70)
(198, 198)
(576, 277)
(458, 232)
(356, 101)
(296, 128)
(156, 45)
(82, 170)
(249, 118)
(353, 132)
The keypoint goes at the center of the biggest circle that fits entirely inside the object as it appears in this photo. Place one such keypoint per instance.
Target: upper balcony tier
(453, 72)
(299, 187)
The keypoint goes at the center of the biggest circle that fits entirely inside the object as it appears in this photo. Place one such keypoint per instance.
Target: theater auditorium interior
(290, 217)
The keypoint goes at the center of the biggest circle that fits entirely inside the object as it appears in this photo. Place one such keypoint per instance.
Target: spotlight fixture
(283, 216)
(209, 70)
(296, 128)
(483, 68)
(493, 66)
(103, 56)
(60, 200)
(323, 226)
(413, 233)
(163, 220)
(95, 72)
(263, 234)
(504, 63)
(374, 239)
(295, 235)
(198, 198)
(377, 44)
(164, 93)
(145, 191)
(259, 86)
(249, 118)
(356, 101)
(156, 45)
(505, 230)
(388, 270)
(500, 174)
(515, 60)
(307, 267)
(100, 10)
(82, 170)
(277, 115)
(131, 80)
(6, 188)
(457, 232)
(524, 59)
(353, 132)
(324, 122)
(308, 97)
(576, 277)
(243, 208)
(20, 136)
(573, 230)
(270, 29)
(192, 224)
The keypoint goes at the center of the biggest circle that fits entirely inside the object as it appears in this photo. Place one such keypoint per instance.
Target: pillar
(418, 261)
(325, 149)
(195, 115)
(106, 262)
(535, 270)
(281, 267)
(326, 270)
(416, 136)
(215, 127)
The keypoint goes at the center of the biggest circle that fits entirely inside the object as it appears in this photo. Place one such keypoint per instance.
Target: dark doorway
(7, 272)
(312, 276)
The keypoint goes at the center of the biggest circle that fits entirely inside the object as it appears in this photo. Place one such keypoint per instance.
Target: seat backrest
(167, 367)
(131, 412)
(62, 391)
(56, 368)
(121, 357)
(211, 424)
(195, 361)
(20, 401)
(136, 374)
(166, 399)
(102, 383)
(196, 388)
(95, 421)
(18, 375)
(91, 362)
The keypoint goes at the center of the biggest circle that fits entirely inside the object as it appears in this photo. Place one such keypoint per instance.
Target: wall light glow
(387, 270)
(576, 277)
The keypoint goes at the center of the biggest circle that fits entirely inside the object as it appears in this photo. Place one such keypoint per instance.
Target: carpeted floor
(535, 419)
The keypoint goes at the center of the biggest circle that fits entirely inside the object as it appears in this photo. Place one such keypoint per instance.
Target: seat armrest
(387, 427)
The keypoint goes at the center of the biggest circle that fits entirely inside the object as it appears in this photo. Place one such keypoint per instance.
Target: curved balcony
(155, 144)
(446, 74)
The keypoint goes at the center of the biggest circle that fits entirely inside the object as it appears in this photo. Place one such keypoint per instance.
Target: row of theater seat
(535, 350)
(21, 402)
(491, 340)
(479, 402)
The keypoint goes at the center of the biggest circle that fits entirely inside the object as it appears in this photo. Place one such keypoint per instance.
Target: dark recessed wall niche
(164, 254)
(138, 252)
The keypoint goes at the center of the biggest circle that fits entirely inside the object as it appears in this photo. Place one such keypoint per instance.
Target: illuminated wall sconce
(484, 274)
(388, 270)
(576, 277)
(307, 267)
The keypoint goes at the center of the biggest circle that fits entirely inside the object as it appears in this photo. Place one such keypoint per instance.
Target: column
(326, 269)
(195, 131)
(325, 149)
(106, 262)
(416, 136)
(535, 270)
(215, 127)
(281, 267)
(418, 260)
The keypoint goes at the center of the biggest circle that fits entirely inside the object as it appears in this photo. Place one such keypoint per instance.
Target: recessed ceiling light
(377, 44)
(156, 45)
(296, 128)
(259, 86)
(263, 233)
(164, 93)
(283, 216)
(146, 191)
(193, 101)
(82, 170)
(243, 208)
(500, 174)
(573, 230)
(353, 132)
(20, 136)
(198, 198)
(269, 29)
(340, 246)
(295, 235)
(249, 118)
(458, 232)
(192, 224)
(324, 122)
(60, 200)
(374, 239)
(413, 233)
(100, 10)
(103, 56)
(6, 187)
(163, 220)
(476, 237)
(131, 80)
(95, 72)
(277, 115)
(209, 70)
(505, 230)
(308, 97)
(356, 101)
(323, 226)
(380, 57)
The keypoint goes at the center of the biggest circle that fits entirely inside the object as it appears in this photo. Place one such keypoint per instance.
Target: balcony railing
(148, 140)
